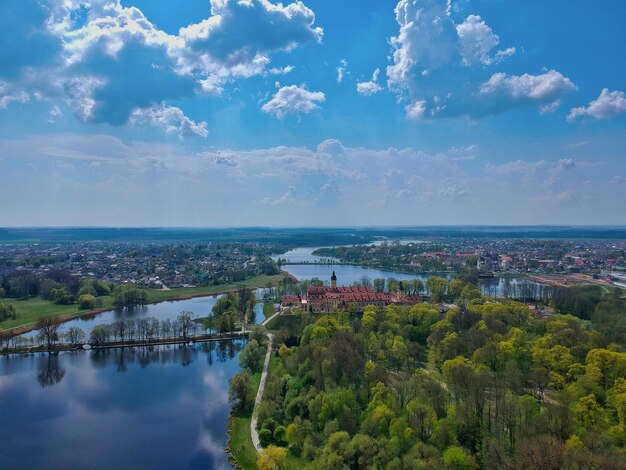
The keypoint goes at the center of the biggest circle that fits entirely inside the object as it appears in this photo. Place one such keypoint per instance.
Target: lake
(163, 407)
(347, 275)
(200, 306)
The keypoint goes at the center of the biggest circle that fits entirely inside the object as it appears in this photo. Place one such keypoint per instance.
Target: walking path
(259, 394)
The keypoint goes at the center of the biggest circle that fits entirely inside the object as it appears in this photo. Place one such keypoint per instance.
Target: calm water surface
(160, 408)
(348, 274)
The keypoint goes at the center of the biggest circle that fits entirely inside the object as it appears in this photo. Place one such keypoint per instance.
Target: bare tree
(185, 323)
(75, 335)
(48, 330)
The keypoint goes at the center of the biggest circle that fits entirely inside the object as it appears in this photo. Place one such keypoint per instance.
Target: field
(241, 445)
(29, 311)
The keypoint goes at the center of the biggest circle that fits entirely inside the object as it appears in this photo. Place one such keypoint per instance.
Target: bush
(87, 301)
(265, 436)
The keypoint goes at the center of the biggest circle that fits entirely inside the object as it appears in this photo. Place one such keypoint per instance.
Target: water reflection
(159, 407)
(49, 370)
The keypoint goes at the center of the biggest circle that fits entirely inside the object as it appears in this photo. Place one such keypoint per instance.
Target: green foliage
(251, 357)
(240, 386)
(130, 297)
(485, 385)
(7, 312)
(87, 301)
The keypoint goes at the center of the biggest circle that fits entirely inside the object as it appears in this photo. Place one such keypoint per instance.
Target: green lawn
(29, 311)
(241, 445)
(268, 309)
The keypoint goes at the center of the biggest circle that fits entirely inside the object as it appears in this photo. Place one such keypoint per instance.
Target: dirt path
(259, 394)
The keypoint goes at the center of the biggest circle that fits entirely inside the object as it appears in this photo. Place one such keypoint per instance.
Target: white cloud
(439, 67)
(426, 40)
(416, 110)
(341, 70)
(88, 48)
(234, 40)
(54, 113)
(369, 88)
(543, 88)
(293, 100)
(332, 147)
(477, 40)
(281, 70)
(169, 118)
(9, 94)
(609, 104)
(289, 197)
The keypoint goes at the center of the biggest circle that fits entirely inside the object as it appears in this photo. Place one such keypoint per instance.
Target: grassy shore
(30, 310)
(241, 446)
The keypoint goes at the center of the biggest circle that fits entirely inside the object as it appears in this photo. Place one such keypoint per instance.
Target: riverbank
(37, 307)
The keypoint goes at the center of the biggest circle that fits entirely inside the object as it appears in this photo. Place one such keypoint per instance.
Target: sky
(192, 113)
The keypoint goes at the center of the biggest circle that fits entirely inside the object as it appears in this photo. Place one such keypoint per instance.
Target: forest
(486, 384)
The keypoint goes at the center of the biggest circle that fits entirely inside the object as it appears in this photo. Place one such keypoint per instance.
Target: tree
(240, 385)
(119, 329)
(184, 321)
(100, 335)
(87, 302)
(378, 285)
(251, 357)
(457, 458)
(437, 288)
(75, 335)
(7, 312)
(49, 330)
(272, 458)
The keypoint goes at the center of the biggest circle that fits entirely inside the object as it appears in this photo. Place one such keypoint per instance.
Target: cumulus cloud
(609, 104)
(477, 40)
(544, 87)
(512, 90)
(293, 99)
(88, 49)
(426, 40)
(236, 35)
(169, 118)
(441, 68)
(416, 111)
(369, 88)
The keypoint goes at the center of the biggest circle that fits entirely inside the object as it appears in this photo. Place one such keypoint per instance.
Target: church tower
(333, 280)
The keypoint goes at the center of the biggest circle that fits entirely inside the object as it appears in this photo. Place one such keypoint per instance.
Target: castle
(355, 298)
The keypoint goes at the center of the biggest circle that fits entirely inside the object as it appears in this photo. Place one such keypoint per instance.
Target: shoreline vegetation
(485, 384)
(30, 310)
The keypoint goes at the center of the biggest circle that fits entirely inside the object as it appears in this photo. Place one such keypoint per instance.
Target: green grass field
(29, 311)
(241, 445)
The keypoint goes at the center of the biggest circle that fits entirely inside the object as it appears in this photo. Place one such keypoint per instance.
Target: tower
(333, 280)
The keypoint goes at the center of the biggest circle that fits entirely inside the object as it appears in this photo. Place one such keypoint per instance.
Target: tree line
(484, 385)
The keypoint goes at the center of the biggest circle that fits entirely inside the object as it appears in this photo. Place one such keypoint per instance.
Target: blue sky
(353, 112)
